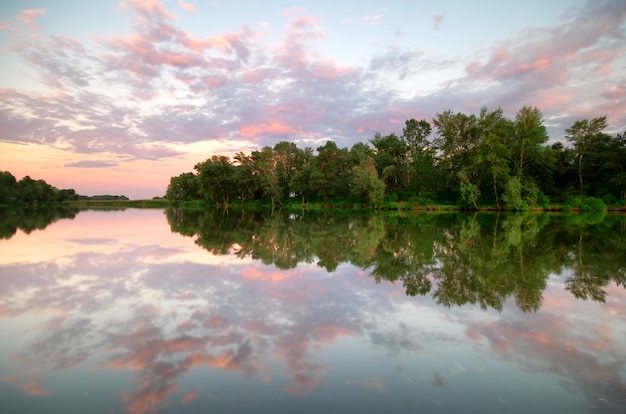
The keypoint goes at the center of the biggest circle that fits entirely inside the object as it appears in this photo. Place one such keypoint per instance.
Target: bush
(585, 204)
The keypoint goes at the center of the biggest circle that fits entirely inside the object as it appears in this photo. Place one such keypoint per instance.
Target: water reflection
(29, 219)
(459, 259)
(112, 312)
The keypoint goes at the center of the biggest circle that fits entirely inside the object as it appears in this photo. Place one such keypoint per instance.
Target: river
(154, 311)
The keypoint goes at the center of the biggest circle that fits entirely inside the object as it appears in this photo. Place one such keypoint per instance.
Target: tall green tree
(216, 179)
(367, 184)
(416, 133)
(8, 188)
(529, 136)
(492, 152)
(264, 166)
(421, 157)
(300, 182)
(391, 158)
(184, 187)
(457, 137)
(583, 134)
(331, 175)
(286, 157)
(246, 182)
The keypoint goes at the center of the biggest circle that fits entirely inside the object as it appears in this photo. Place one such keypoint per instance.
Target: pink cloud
(254, 273)
(146, 8)
(616, 92)
(274, 128)
(291, 11)
(329, 70)
(189, 397)
(571, 45)
(30, 16)
(218, 42)
(293, 53)
(303, 21)
(214, 81)
(34, 388)
(187, 6)
(330, 333)
(260, 75)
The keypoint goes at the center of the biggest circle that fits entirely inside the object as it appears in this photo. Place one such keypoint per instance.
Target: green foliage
(585, 204)
(469, 191)
(512, 196)
(367, 186)
(186, 186)
(584, 134)
(29, 191)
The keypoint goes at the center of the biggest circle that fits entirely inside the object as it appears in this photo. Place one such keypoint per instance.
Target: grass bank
(158, 203)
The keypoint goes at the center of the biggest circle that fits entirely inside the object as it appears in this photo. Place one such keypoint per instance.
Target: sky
(116, 97)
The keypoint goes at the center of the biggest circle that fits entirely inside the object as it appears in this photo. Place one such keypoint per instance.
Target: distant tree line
(103, 197)
(29, 191)
(472, 160)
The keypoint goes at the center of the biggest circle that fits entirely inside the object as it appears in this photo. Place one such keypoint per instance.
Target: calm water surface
(146, 311)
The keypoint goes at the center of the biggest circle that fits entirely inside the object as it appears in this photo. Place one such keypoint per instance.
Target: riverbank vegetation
(28, 193)
(483, 161)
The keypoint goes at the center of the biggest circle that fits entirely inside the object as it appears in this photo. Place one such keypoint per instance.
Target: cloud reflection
(141, 309)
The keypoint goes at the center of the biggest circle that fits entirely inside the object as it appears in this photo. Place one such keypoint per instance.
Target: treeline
(29, 191)
(470, 161)
(103, 197)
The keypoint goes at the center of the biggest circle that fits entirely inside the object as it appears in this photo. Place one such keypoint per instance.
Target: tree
(300, 182)
(529, 136)
(216, 179)
(583, 134)
(391, 156)
(184, 187)
(285, 157)
(367, 184)
(492, 152)
(421, 157)
(456, 139)
(331, 172)
(264, 166)
(67, 195)
(415, 133)
(8, 187)
(246, 181)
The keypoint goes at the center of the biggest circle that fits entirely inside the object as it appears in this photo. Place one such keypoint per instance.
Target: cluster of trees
(29, 191)
(472, 160)
(459, 259)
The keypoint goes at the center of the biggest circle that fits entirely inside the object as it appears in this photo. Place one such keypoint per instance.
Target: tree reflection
(31, 219)
(480, 259)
